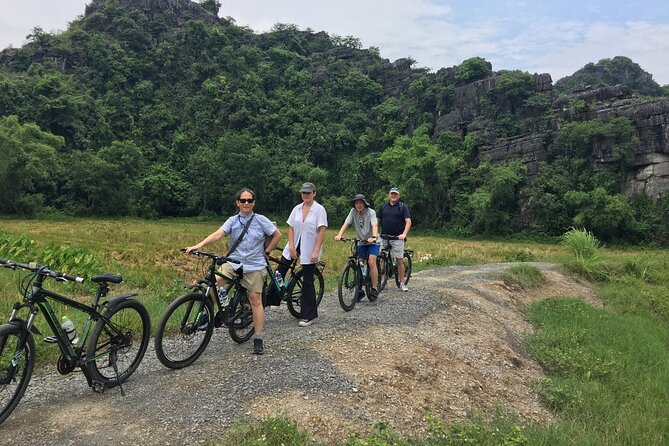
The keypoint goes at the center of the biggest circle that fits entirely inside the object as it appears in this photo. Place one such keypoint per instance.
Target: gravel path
(199, 403)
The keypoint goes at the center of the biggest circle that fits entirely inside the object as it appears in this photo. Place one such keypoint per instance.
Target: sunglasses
(246, 200)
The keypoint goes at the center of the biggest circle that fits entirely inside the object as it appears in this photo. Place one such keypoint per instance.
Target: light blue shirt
(251, 251)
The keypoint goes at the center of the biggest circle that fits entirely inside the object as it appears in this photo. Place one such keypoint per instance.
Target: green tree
(473, 69)
(27, 166)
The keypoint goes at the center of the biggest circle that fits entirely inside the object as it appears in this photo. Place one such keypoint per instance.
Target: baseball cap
(395, 190)
(308, 187)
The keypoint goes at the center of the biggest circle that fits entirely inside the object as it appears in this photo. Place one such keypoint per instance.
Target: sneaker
(361, 295)
(375, 293)
(258, 347)
(306, 322)
(404, 288)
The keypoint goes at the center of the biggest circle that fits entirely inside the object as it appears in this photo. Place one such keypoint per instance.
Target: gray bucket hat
(360, 197)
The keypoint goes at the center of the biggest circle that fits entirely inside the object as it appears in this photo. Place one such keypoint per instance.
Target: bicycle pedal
(98, 387)
(51, 340)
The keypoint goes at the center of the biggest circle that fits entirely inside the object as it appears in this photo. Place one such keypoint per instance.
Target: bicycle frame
(37, 298)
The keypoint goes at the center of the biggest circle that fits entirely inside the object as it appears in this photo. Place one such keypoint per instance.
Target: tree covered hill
(161, 108)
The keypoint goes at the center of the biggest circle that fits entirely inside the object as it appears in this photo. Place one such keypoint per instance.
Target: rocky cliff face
(650, 117)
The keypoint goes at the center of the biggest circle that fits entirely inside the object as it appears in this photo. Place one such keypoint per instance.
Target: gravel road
(199, 403)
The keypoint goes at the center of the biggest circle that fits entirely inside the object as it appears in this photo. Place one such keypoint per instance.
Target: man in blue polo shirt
(394, 219)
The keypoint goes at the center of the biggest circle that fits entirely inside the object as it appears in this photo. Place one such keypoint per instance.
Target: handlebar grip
(73, 278)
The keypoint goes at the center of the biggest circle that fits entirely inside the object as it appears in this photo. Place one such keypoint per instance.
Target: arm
(211, 238)
(375, 233)
(320, 236)
(276, 236)
(407, 226)
(341, 231)
(291, 243)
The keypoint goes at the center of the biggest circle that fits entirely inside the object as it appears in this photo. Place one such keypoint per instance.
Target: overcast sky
(556, 37)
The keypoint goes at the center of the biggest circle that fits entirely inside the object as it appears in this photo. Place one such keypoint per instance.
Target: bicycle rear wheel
(294, 292)
(349, 286)
(118, 342)
(240, 317)
(184, 330)
(407, 269)
(15, 370)
(382, 266)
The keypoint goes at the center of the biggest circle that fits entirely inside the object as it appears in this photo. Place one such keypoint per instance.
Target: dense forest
(154, 112)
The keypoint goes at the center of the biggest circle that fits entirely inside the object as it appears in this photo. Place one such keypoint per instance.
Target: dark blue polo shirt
(393, 218)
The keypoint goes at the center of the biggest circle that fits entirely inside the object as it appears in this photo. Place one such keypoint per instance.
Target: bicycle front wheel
(16, 367)
(294, 292)
(240, 317)
(407, 269)
(349, 286)
(184, 330)
(118, 342)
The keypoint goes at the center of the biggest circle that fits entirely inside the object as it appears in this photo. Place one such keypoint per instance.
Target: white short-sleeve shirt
(305, 233)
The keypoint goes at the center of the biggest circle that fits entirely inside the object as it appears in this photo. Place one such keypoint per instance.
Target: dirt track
(452, 345)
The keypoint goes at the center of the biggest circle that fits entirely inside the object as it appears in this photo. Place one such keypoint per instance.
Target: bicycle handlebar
(41, 270)
(219, 259)
(390, 237)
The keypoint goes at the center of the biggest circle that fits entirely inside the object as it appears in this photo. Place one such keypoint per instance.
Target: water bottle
(363, 268)
(222, 295)
(69, 329)
(279, 278)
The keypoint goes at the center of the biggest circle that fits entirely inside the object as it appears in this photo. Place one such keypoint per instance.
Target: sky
(556, 37)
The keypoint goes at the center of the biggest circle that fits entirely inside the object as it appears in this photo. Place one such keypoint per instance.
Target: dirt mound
(467, 357)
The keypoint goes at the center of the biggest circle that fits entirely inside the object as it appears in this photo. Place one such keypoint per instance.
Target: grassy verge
(607, 368)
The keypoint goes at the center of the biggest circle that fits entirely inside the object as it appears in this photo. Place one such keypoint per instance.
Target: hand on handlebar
(337, 237)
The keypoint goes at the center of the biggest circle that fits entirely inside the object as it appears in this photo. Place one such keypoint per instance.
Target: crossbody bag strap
(241, 236)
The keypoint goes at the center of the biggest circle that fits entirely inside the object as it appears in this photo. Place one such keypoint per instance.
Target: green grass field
(607, 368)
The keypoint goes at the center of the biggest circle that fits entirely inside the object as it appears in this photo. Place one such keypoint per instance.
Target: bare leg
(373, 271)
(258, 312)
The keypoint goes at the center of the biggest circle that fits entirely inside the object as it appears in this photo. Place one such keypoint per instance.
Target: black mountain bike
(111, 346)
(353, 277)
(185, 328)
(387, 263)
(290, 290)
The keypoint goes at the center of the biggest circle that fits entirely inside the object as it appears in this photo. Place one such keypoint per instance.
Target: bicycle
(290, 290)
(185, 328)
(352, 278)
(113, 341)
(387, 263)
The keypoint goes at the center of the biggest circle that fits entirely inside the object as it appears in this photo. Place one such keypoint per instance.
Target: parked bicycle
(353, 278)
(289, 289)
(387, 263)
(109, 350)
(185, 328)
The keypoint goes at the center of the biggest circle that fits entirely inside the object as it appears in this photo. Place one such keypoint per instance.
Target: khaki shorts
(396, 247)
(252, 281)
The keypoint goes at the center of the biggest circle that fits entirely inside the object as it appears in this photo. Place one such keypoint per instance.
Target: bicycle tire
(348, 286)
(180, 336)
(11, 389)
(407, 270)
(240, 317)
(112, 357)
(382, 266)
(294, 295)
